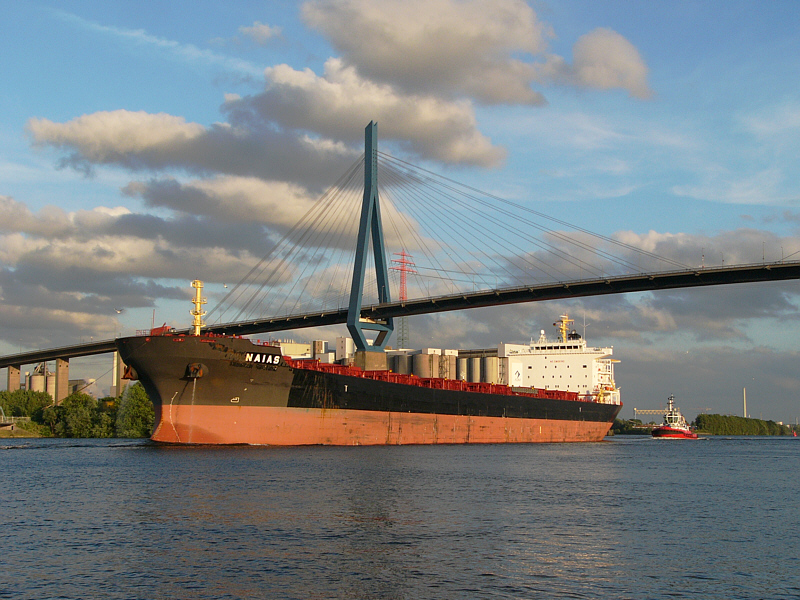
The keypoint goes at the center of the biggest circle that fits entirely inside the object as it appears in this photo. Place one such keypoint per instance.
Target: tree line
(79, 415)
(730, 425)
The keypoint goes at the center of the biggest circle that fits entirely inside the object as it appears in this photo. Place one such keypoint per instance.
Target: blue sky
(674, 124)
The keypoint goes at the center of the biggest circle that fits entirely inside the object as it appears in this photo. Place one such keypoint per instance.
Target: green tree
(629, 427)
(733, 425)
(23, 403)
(103, 426)
(80, 415)
(53, 418)
(105, 422)
(135, 415)
(77, 416)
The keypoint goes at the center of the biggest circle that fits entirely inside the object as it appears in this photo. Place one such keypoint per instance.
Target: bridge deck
(762, 272)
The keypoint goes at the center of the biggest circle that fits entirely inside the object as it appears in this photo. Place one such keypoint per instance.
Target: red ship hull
(672, 433)
(184, 424)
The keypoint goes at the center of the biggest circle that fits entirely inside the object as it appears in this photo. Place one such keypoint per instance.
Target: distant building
(84, 386)
(41, 380)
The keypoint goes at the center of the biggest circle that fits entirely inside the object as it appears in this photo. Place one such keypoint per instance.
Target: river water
(625, 518)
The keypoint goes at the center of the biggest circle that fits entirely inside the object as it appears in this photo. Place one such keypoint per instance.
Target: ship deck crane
(642, 411)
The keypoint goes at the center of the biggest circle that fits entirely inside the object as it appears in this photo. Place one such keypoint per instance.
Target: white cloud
(261, 33)
(52, 221)
(438, 46)
(139, 257)
(605, 60)
(720, 185)
(184, 52)
(145, 141)
(36, 326)
(337, 104)
(109, 136)
(492, 51)
(780, 120)
(229, 199)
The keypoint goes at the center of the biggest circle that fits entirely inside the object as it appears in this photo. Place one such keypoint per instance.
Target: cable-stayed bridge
(762, 272)
(470, 249)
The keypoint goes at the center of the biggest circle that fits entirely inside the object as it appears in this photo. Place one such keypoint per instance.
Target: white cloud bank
(492, 51)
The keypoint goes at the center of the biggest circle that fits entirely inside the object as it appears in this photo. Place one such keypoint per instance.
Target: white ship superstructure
(564, 364)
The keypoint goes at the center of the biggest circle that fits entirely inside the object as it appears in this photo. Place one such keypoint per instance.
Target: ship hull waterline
(336, 427)
(220, 390)
(669, 433)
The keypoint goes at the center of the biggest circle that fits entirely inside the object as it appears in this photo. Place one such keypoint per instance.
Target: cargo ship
(222, 389)
(675, 425)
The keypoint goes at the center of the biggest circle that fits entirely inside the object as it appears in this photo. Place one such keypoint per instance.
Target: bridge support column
(62, 379)
(371, 361)
(13, 378)
(370, 226)
(117, 371)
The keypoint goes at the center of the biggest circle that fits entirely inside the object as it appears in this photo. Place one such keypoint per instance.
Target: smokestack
(744, 397)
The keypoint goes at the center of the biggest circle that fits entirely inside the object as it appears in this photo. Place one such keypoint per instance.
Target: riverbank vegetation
(79, 415)
(630, 427)
(730, 425)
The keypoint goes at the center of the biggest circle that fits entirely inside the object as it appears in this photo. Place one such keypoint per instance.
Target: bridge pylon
(370, 226)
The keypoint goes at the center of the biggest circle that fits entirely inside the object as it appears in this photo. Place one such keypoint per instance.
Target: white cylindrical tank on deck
(401, 363)
(474, 370)
(461, 369)
(490, 370)
(426, 365)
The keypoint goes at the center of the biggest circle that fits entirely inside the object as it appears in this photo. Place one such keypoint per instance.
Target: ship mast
(563, 326)
(198, 313)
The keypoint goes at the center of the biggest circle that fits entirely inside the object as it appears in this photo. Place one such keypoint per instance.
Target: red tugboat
(674, 426)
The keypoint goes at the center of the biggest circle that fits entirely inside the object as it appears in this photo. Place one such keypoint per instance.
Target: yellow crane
(641, 411)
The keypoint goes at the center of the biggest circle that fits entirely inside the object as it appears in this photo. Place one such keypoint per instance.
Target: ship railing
(438, 383)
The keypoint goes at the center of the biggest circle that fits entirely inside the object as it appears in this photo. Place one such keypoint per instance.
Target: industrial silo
(462, 369)
(490, 370)
(426, 365)
(474, 374)
(402, 364)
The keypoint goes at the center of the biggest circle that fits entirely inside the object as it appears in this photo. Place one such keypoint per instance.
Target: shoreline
(18, 432)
